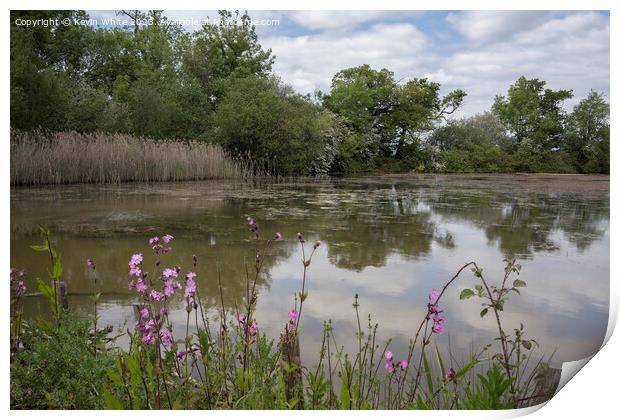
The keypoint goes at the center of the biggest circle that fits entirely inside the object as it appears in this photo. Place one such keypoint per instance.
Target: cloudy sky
(482, 52)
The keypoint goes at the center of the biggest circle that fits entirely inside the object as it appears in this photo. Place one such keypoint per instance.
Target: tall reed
(39, 158)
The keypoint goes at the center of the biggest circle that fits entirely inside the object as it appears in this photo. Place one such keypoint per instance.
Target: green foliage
(588, 134)
(491, 394)
(229, 49)
(58, 367)
(466, 293)
(476, 144)
(146, 82)
(67, 365)
(285, 132)
(384, 115)
(51, 292)
(532, 111)
(216, 85)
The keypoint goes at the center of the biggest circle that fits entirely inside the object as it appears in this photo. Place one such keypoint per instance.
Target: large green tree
(588, 133)
(532, 111)
(226, 48)
(383, 115)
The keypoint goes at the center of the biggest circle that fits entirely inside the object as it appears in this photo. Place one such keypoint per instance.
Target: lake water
(388, 239)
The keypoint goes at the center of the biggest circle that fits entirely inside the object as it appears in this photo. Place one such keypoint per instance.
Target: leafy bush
(264, 119)
(59, 367)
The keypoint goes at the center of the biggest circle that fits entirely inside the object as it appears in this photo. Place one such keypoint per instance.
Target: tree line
(217, 85)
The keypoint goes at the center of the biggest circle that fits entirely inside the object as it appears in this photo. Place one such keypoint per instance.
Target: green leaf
(111, 402)
(466, 293)
(484, 312)
(46, 326)
(526, 344)
(44, 288)
(203, 339)
(429, 375)
(57, 269)
(39, 247)
(466, 368)
(345, 399)
(479, 289)
(499, 305)
(440, 361)
(519, 283)
(115, 377)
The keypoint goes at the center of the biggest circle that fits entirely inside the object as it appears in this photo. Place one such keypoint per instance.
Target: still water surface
(388, 239)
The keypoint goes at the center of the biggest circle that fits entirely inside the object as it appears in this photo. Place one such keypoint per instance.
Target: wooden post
(289, 345)
(546, 386)
(63, 301)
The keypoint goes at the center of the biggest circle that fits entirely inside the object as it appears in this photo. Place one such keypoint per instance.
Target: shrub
(58, 367)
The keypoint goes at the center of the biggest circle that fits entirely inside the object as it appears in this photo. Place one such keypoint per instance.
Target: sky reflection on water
(390, 240)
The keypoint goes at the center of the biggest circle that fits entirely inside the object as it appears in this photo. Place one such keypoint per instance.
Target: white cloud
(310, 61)
(330, 19)
(485, 25)
(568, 50)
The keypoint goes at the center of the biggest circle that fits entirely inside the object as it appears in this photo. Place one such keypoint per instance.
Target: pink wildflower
(389, 367)
(277, 236)
(190, 285)
(403, 364)
(141, 286)
(144, 313)
(388, 356)
(148, 338)
(241, 318)
(292, 316)
(90, 263)
(170, 273)
(250, 221)
(156, 296)
(136, 259)
(154, 240)
(169, 287)
(167, 238)
(450, 374)
(166, 338)
(439, 318)
(433, 295)
(182, 354)
(150, 324)
(438, 328)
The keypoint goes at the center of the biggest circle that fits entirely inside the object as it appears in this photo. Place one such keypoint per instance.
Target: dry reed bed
(69, 157)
